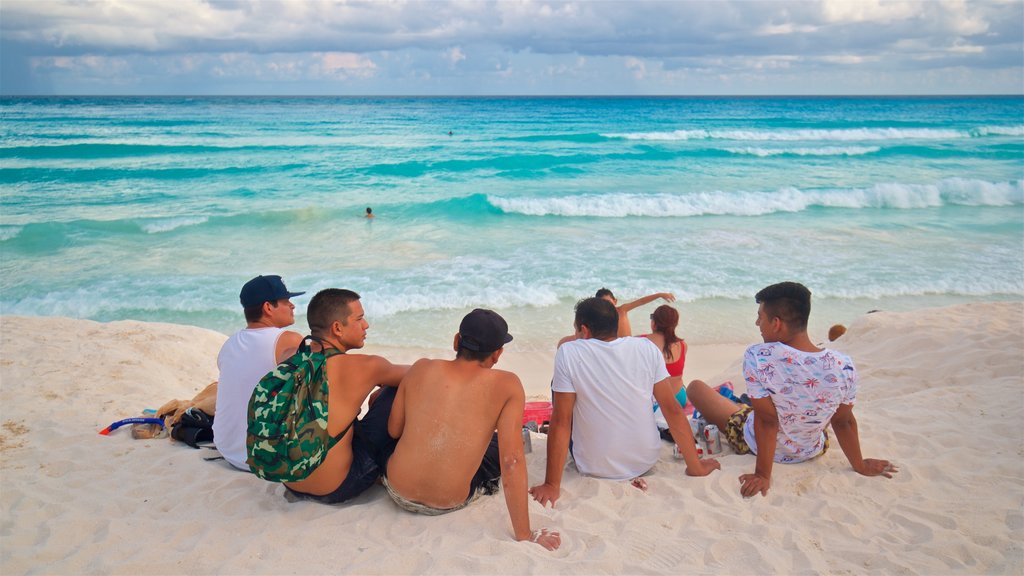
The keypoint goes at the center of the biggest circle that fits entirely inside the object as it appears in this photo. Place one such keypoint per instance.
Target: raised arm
(681, 433)
(559, 431)
(624, 328)
(513, 469)
(629, 306)
(766, 434)
(844, 424)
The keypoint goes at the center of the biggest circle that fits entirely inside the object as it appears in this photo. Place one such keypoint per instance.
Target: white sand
(942, 395)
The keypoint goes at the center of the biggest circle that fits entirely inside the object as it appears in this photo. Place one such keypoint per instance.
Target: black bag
(194, 427)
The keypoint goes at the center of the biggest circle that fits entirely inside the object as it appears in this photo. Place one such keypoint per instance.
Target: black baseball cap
(483, 331)
(264, 289)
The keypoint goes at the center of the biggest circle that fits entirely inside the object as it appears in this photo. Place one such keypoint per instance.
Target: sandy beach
(941, 395)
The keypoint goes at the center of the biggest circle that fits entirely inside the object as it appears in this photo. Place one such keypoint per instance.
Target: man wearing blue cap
(247, 356)
(444, 416)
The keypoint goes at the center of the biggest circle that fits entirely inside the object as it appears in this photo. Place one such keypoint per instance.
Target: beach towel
(205, 400)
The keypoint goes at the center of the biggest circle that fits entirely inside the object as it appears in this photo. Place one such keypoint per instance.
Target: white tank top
(243, 360)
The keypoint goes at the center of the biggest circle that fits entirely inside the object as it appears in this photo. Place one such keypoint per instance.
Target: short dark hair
(328, 306)
(602, 292)
(599, 316)
(255, 313)
(464, 353)
(787, 301)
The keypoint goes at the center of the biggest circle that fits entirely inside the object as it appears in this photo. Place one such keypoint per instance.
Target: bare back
(446, 412)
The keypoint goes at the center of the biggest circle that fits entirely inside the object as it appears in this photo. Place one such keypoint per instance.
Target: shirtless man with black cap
(444, 416)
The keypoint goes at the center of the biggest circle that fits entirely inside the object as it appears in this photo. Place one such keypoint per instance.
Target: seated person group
(602, 388)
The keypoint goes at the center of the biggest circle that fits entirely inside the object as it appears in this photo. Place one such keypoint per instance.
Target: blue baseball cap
(264, 289)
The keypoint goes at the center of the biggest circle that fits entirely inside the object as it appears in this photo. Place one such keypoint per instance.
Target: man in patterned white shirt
(796, 390)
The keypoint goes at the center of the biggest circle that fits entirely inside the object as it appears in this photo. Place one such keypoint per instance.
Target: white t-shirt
(806, 387)
(243, 360)
(613, 431)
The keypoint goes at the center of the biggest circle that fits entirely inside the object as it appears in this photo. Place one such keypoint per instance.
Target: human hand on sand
(550, 540)
(751, 484)
(706, 466)
(873, 467)
(545, 493)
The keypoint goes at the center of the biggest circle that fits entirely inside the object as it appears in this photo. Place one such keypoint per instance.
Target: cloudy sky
(349, 47)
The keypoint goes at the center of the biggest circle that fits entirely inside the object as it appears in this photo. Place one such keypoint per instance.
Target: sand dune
(942, 395)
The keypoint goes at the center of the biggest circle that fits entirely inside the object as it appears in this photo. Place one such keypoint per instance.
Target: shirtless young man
(625, 329)
(354, 463)
(444, 417)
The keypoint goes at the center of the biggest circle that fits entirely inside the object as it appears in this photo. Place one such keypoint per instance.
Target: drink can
(697, 427)
(712, 440)
(527, 442)
(679, 455)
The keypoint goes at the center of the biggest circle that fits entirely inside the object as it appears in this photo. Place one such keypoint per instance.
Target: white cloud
(878, 11)
(347, 63)
(455, 55)
(637, 67)
(845, 59)
(784, 28)
(419, 46)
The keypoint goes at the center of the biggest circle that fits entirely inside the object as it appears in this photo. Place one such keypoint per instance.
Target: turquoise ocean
(159, 209)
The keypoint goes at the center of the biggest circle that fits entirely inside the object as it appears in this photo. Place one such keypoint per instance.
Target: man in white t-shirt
(602, 390)
(247, 356)
(796, 390)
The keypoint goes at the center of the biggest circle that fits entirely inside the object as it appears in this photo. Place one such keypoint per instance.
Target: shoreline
(75, 502)
(703, 321)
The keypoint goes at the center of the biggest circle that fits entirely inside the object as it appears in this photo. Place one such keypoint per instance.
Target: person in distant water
(354, 464)
(444, 417)
(449, 132)
(247, 356)
(602, 390)
(835, 332)
(673, 348)
(796, 390)
(623, 311)
(369, 212)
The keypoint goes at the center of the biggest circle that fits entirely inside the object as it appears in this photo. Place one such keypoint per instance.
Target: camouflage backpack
(286, 438)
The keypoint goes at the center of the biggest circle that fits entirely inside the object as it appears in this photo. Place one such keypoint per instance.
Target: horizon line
(880, 95)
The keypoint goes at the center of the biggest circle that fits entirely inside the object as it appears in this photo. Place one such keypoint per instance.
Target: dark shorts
(734, 432)
(371, 446)
(488, 475)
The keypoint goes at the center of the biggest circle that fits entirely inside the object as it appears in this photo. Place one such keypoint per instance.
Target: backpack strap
(335, 439)
(329, 350)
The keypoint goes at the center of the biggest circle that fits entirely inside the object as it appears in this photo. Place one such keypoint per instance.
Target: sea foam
(842, 135)
(955, 191)
(159, 225)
